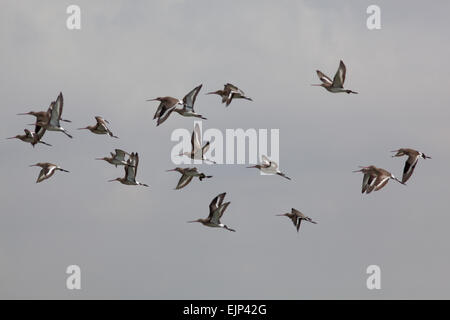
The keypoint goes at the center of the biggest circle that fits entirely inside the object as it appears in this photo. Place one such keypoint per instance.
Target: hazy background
(134, 242)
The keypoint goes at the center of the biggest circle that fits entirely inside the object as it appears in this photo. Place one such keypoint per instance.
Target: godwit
(269, 167)
(375, 178)
(168, 105)
(53, 123)
(48, 170)
(187, 175)
(30, 137)
(216, 210)
(370, 175)
(100, 127)
(197, 152)
(116, 159)
(229, 93)
(130, 172)
(411, 162)
(337, 85)
(188, 104)
(297, 217)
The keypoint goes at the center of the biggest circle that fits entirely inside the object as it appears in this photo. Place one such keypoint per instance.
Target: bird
(130, 172)
(216, 210)
(337, 85)
(411, 162)
(30, 137)
(268, 166)
(375, 178)
(169, 104)
(197, 152)
(53, 123)
(117, 158)
(229, 93)
(186, 176)
(297, 217)
(100, 127)
(48, 170)
(370, 175)
(188, 105)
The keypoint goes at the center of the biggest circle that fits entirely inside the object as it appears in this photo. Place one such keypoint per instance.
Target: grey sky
(134, 242)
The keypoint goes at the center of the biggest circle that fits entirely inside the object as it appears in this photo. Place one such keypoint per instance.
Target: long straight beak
(98, 158)
(316, 85)
(112, 180)
(11, 138)
(192, 221)
(252, 167)
(64, 170)
(81, 128)
(170, 170)
(23, 114)
(151, 100)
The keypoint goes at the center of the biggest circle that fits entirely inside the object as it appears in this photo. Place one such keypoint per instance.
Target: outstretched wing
(195, 139)
(410, 165)
(325, 79)
(215, 204)
(184, 181)
(120, 155)
(339, 77)
(189, 99)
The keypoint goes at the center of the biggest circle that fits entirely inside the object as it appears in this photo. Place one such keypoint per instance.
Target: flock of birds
(374, 178)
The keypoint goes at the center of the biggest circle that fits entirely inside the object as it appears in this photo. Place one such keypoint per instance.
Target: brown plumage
(411, 161)
(297, 217)
(101, 127)
(216, 210)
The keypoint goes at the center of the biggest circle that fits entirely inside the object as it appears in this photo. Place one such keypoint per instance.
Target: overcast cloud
(134, 242)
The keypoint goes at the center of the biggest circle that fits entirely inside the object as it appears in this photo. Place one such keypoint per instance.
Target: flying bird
(130, 172)
(188, 104)
(297, 217)
(101, 127)
(375, 178)
(411, 161)
(48, 170)
(337, 85)
(53, 123)
(197, 152)
(229, 93)
(169, 104)
(268, 166)
(30, 137)
(216, 210)
(187, 174)
(117, 158)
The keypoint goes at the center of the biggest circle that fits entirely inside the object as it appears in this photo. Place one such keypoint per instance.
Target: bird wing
(410, 165)
(56, 110)
(381, 181)
(206, 148)
(189, 99)
(231, 87)
(339, 77)
(184, 181)
(325, 79)
(131, 168)
(195, 139)
(298, 213)
(222, 209)
(45, 173)
(215, 204)
(298, 222)
(120, 155)
(265, 160)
